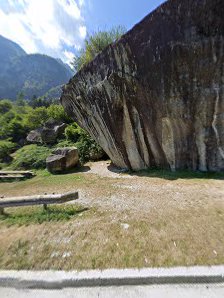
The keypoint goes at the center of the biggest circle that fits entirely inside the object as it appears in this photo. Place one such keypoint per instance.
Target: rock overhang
(156, 96)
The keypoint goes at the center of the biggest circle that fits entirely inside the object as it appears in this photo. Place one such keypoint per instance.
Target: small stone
(55, 254)
(125, 226)
(66, 255)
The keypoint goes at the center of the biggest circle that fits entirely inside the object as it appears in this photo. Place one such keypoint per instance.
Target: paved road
(162, 291)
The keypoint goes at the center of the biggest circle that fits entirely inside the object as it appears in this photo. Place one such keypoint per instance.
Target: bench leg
(45, 207)
(2, 211)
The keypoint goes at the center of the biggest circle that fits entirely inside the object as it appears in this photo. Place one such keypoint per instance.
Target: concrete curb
(110, 277)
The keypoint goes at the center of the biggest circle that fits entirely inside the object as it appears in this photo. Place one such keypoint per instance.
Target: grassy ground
(149, 219)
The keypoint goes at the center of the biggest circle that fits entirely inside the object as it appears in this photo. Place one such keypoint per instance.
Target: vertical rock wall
(156, 97)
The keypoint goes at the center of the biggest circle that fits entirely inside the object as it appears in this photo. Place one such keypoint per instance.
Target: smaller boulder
(62, 159)
(48, 134)
(56, 163)
(52, 130)
(34, 137)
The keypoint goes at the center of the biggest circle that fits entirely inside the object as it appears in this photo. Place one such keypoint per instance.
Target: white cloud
(69, 56)
(82, 31)
(52, 27)
(81, 2)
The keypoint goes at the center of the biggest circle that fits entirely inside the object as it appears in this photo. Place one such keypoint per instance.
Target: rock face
(62, 159)
(156, 97)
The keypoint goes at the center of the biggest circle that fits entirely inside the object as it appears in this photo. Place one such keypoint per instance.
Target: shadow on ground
(169, 175)
(76, 170)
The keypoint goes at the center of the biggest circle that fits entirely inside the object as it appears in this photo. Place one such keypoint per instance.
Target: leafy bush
(65, 143)
(31, 157)
(6, 148)
(36, 118)
(13, 123)
(88, 148)
(16, 130)
(17, 121)
(73, 132)
(86, 145)
(5, 106)
(57, 112)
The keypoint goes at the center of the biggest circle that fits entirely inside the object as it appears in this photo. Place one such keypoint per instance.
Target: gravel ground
(121, 191)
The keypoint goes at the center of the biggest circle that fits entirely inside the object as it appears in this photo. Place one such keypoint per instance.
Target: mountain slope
(9, 50)
(33, 74)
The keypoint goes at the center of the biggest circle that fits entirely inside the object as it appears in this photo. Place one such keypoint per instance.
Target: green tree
(20, 100)
(5, 106)
(94, 44)
(37, 102)
(6, 147)
(36, 117)
(57, 112)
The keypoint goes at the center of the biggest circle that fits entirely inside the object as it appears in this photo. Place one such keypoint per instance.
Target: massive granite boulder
(156, 96)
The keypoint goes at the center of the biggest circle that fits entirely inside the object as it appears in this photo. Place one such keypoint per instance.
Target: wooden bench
(37, 200)
(15, 174)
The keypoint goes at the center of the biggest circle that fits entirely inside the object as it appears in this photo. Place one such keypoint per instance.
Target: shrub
(86, 145)
(64, 143)
(16, 130)
(87, 148)
(73, 132)
(6, 148)
(57, 112)
(5, 106)
(31, 157)
(96, 43)
(36, 118)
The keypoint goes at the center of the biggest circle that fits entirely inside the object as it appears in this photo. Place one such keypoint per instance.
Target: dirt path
(106, 187)
(120, 191)
(105, 169)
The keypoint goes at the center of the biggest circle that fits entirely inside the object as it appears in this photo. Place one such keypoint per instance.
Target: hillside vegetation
(17, 119)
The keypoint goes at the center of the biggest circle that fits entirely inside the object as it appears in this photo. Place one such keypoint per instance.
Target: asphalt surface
(153, 291)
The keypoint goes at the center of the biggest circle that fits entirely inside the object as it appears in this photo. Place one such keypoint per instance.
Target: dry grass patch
(143, 221)
(96, 239)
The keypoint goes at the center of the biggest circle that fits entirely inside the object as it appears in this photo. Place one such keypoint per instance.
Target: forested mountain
(33, 74)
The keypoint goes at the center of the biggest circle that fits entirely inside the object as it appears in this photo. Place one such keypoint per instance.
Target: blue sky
(106, 13)
(59, 27)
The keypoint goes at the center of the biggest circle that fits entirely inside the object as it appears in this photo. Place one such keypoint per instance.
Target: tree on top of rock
(96, 43)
